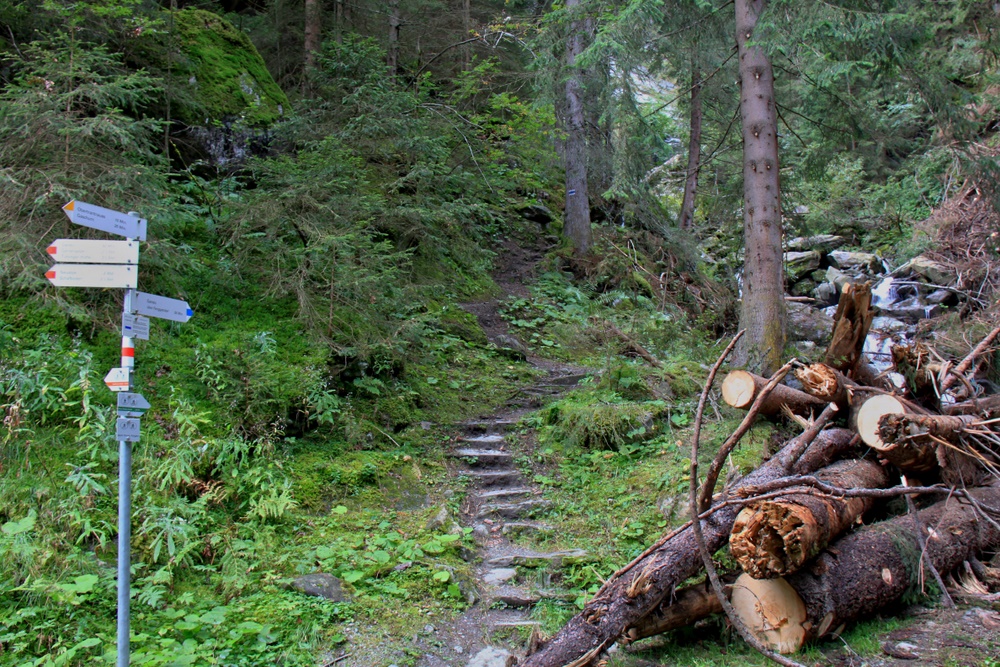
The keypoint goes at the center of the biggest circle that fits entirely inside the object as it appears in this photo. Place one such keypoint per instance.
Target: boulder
(931, 271)
(808, 323)
(838, 278)
(821, 243)
(803, 288)
(493, 657)
(913, 309)
(320, 585)
(536, 213)
(825, 294)
(439, 519)
(943, 297)
(798, 264)
(864, 262)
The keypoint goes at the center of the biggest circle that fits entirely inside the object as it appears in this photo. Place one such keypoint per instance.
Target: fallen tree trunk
(686, 606)
(740, 388)
(871, 569)
(625, 600)
(773, 538)
(910, 442)
(914, 363)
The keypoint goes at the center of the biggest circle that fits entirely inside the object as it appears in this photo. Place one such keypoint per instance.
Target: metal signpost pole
(125, 508)
(115, 264)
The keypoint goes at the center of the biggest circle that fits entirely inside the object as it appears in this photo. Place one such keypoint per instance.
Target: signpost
(135, 326)
(114, 264)
(113, 222)
(162, 307)
(81, 251)
(93, 275)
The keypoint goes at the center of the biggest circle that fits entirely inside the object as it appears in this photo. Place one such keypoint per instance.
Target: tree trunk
(392, 58)
(626, 599)
(312, 32)
(873, 568)
(740, 388)
(987, 406)
(871, 411)
(466, 31)
(773, 538)
(339, 20)
(694, 148)
(576, 226)
(850, 327)
(763, 308)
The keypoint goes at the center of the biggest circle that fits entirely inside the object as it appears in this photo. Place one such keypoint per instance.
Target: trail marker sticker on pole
(117, 379)
(106, 220)
(81, 251)
(161, 307)
(93, 275)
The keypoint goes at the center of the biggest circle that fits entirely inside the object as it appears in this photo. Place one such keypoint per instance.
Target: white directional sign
(127, 429)
(132, 405)
(117, 379)
(81, 251)
(106, 220)
(93, 275)
(162, 307)
(135, 326)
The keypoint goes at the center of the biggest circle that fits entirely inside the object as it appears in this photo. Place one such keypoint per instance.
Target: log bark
(686, 606)
(913, 443)
(740, 388)
(987, 406)
(626, 599)
(850, 327)
(774, 538)
(867, 375)
(873, 568)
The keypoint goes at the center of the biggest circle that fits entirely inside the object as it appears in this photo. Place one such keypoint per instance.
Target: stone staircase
(503, 507)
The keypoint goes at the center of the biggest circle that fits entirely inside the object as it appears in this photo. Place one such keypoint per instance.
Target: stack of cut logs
(813, 529)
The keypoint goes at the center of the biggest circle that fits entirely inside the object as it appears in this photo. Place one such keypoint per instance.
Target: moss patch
(218, 71)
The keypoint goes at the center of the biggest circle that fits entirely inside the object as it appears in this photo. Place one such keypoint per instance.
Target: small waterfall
(885, 293)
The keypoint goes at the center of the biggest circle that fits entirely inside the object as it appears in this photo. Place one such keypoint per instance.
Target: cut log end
(772, 611)
(772, 539)
(871, 411)
(739, 389)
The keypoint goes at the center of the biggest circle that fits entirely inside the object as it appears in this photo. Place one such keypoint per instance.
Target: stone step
(488, 425)
(484, 456)
(538, 559)
(504, 493)
(499, 575)
(513, 528)
(487, 439)
(513, 510)
(512, 596)
(491, 478)
(567, 380)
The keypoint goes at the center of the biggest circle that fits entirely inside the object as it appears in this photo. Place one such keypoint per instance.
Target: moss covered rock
(216, 72)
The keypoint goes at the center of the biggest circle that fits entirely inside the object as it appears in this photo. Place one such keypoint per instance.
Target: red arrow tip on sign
(51, 250)
(50, 274)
